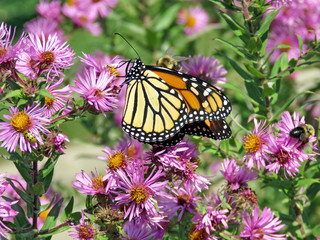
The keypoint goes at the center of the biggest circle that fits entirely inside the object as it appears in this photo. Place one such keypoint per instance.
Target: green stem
(35, 197)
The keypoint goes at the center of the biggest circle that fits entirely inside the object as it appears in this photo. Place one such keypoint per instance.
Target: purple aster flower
(28, 121)
(235, 175)
(45, 26)
(8, 51)
(138, 194)
(61, 96)
(212, 220)
(282, 36)
(208, 69)
(83, 231)
(90, 185)
(47, 55)
(50, 10)
(181, 199)
(282, 153)
(102, 62)
(263, 226)
(6, 214)
(278, 3)
(102, 7)
(195, 19)
(138, 230)
(97, 90)
(255, 145)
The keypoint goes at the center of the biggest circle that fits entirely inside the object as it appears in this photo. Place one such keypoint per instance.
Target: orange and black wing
(203, 101)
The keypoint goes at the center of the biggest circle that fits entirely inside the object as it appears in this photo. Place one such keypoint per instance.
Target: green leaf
(284, 61)
(67, 211)
(166, 18)
(47, 181)
(254, 92)
(26, 197)
(52, 216)
(48, 167)
(254, 71)
(20, 221)
(306, 183)
(37, 189)
(237, 28)
(21, 166)
(45, 93)
(300, 43)
(11, 94)
(267, 21)
(241, 52)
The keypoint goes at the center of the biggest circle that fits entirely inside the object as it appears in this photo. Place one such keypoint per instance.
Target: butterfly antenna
(128, 43)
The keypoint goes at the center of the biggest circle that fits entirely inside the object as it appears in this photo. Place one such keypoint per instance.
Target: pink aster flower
(195, 19)
(283, 37)
(235, 175)
(139, 231)
(61, 96)
(282, 153)
(50, 10)
(102, 7)
(262, 227)
(59, 142)
(8, 51)
(255, 145)
(97, 90)
(208, 69)
(181, 198)
(103, 62)
(211, 220)
(30, 120)
(137, 193)
(46, 55)
(6, 214)
(83, 231)
(45, 26)
(90, 185)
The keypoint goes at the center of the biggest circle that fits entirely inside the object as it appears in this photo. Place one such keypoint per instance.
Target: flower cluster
(143, 191)
(276, 149)
(295, 18)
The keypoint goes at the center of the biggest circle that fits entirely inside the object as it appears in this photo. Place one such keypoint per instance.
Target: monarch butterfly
(162, 105)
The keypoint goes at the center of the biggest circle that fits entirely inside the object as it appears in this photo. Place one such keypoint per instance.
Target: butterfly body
(164, 104)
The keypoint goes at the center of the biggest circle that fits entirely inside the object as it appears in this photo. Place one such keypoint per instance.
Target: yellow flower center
(139, 194)
(98, 93)
(47, 57)
(2, 52)
(97, 183)
(48, 101)
(83, 19)
(197, 235)
(191, 21)
(71, 2)
(116, 161)
(252, 143)
(21, 121)
(112, 70)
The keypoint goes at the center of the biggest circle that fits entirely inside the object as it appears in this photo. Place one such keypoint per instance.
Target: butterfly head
(135, 71)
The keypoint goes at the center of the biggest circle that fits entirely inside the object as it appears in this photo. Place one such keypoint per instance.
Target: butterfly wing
(154, 111)
(218, 130)
(203, 101)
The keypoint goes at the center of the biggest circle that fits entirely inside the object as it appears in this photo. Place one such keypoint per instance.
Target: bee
(29, 136)
(303, 132)
(170, 61)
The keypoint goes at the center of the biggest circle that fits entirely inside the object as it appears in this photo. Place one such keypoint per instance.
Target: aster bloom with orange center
(181, 198)
(195, 19)
(96, 89)
(101, 7)
(235, 175)
(262, 227)
(83, 231)
(59, 100)
(255, 145)
(30, 120)
(90, 185)
(137, 194)
(9, 51)
(48, 54)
